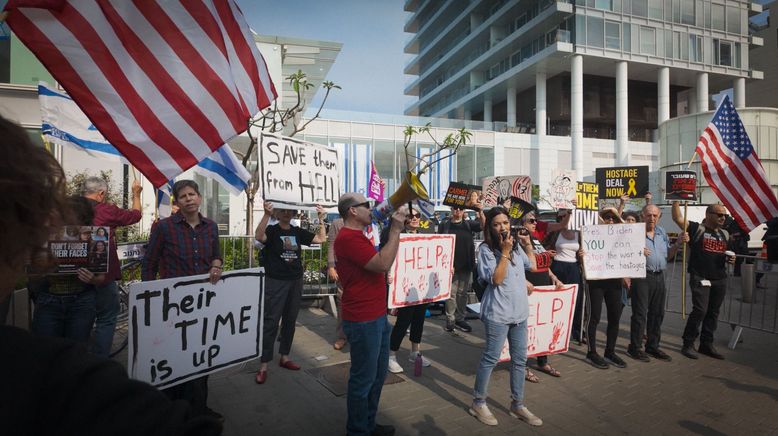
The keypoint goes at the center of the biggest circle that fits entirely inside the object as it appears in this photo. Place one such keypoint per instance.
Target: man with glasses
(464, 264)
(361, 273)
(707, 277)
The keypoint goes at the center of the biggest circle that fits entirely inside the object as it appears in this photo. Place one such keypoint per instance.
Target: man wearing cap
(708, 245)
(361, 273)
(648, 294)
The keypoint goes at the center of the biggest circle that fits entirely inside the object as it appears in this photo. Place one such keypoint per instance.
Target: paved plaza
(736, 396)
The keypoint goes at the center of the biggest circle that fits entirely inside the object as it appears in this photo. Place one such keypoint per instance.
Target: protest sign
(681, 185)
(462, 195)
(375, 189)
(422, 269)
(562, 191)
(185, 327)
(498, 189)
(297, 174)
(519, 208)
(585, 214)
(75, 247)
(550, 321)
(614, 251)
(615, 182)
(131, 250)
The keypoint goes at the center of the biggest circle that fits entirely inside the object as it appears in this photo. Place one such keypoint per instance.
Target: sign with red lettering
(422, 270)
(186, 327)
(550, 321)
(681, 185)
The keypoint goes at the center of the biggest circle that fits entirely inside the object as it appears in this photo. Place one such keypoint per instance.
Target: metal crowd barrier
(749, 303)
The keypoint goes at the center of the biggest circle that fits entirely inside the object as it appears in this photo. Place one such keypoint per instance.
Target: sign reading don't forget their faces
(185, 327)
(297, 174)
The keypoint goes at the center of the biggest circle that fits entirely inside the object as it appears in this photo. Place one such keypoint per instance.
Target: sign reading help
(614, 251)
(422, 269)
(550, 321)
(185, 327)
(298, 174)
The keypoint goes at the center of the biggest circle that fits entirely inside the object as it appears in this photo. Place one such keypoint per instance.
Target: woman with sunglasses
(412, 316)
(504, 312)
(608, 290)
(542, 277)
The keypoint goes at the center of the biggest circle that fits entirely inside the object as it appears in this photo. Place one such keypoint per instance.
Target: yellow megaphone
(410, 189)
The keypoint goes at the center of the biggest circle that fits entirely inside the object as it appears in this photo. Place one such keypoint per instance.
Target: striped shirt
(176, 249)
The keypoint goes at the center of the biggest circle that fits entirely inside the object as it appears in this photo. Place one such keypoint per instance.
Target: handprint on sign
(435, 281)
(422, 285)
(555, 336)
(406, 286)
(532, 339)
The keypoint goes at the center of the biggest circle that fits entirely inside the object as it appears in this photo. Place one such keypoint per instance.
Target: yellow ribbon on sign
(631, 190)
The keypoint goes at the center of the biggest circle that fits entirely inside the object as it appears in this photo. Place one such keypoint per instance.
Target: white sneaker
(482, 413)
(394, 367)
(524, 414)
(424, 361)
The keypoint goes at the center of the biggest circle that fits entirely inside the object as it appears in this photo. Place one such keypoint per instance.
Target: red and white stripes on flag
(734, 171)
(166, 82)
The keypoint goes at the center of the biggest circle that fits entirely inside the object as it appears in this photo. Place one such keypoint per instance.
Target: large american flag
(733, 170)
(166, 82)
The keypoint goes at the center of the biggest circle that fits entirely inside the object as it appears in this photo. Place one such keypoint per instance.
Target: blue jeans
(64, 316)
(496, 334)
(105, 324)
(369, 342)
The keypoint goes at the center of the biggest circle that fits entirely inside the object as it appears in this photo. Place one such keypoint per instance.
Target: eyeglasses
(532, 221)
(608, 217)
(720, 215)
(366, 205)
(415, 216)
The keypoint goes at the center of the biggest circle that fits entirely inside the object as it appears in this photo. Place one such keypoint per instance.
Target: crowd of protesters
(507, 266)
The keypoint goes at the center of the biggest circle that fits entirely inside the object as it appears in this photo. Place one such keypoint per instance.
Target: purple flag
(375, 187)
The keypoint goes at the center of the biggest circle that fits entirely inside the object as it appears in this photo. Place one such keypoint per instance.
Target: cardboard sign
(582, 218)
(615, 182)
(497, 190)
(550, 321)
(681, 185)
(297, 174)
(614, 251)
(462, 195)
(587, 196)
(563, 189)
(77, 247)
(422, 269)
(185, 327)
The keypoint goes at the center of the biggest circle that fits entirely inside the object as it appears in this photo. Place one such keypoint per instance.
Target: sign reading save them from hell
(615, 182)
(550, 321)
(297, 174)
(422, 269)
(614, 251)
(185, 327)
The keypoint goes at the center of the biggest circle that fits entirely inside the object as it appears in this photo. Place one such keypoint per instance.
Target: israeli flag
(63, 122)
(164, 199)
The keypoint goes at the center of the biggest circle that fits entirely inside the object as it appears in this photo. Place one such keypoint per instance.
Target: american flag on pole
(166, 82)
(733, 170)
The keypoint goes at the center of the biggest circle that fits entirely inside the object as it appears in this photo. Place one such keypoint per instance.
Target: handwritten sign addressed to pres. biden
(614, 251)
(422, 270)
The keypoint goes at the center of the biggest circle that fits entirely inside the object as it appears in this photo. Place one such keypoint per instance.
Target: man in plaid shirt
(182, 245)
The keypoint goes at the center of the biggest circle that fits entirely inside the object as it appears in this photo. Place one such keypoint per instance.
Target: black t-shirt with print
(543, 260)
(706, 256)
(464, 247)
(282, 252)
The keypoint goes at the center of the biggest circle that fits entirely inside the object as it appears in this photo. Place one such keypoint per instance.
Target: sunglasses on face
(415, 216)
(532, 221)
(366, 205)
(720, 215)
(608, 217)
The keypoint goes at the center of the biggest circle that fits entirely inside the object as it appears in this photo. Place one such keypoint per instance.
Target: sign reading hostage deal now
(550, 321)
(614, 251)
(185, 327)
(615, 182)
(681, 185)
(298, 174)
(422, 269)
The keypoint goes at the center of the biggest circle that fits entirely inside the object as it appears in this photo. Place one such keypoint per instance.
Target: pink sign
(375, 187)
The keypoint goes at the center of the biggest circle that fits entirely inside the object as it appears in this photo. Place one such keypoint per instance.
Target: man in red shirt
(363, 309)
(107, 296)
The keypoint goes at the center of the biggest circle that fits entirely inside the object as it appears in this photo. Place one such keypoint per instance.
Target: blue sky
(370, 65)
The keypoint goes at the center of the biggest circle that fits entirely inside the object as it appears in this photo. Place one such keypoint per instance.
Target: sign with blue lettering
(614, 251)
(186, 327)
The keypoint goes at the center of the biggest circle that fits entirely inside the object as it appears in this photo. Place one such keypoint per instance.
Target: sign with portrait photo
(462, 195)
(77, 247)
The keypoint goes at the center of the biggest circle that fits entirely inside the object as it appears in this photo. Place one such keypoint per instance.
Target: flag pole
(683, 257)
